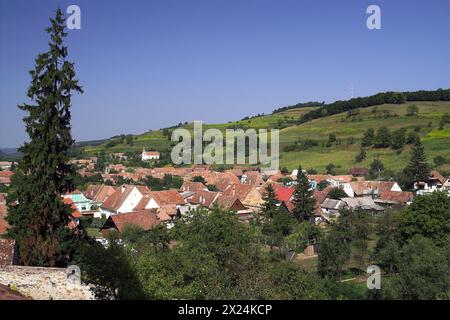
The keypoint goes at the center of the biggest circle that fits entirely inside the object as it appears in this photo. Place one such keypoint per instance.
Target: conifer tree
(417, 168)
(304, 201)
(269, 208)
(39, 219)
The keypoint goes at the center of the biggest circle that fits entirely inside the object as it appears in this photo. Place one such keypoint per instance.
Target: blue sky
(149, 64)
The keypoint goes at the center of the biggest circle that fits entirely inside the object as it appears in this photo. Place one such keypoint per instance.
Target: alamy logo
(374, 280)
(241, 147)
(374, 20)
(74, 19)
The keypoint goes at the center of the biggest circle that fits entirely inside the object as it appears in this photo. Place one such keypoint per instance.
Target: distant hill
(9, 153)
(348, 127)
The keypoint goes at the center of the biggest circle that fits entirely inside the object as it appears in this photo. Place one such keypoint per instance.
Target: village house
(365, 203)
(5, 177)
(75, 214)
(341, 182)
(331, 206)
(119, 156)
(82, 203)
(6, 165)
(98, 193)
(358, 172)
(203, 198)
(389, 198)
(435, 183)
(373, 188)
(144, 219)
(149, 155)
(192, 186)
(247, 194)
(124, 199)
(252, 178)
(159, 199)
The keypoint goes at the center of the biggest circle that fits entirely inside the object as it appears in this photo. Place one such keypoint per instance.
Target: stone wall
(43, 283)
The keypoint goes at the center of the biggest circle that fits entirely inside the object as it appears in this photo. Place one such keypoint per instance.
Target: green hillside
(349, 128)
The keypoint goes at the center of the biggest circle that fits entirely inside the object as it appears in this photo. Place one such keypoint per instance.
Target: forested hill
(377, 99)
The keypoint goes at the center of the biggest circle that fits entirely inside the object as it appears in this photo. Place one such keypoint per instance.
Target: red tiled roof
(435, 175)
(75, 213)
(205, 198)
(6, 174)
(99, 193)
(282, 193)
(145, 219)
(115, 200)
(239, 190)
(320, 197)
(401, 197)
(320, 177)
(192, 186)
(229, 203)
(359, 187)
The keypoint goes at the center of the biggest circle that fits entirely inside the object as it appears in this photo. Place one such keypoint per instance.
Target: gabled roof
(165, 197)
(145, 219)
(99, 193)
(239, 190)
(229, 202)
(205, 198)
(192, 186)
(435, 175)
(321, 177)
(283, 193)
(331, 204)
(320, 197)
(366, 203)
(253, 178)
(367, 187)
(396, 197)
(115, 200)
(358, 171)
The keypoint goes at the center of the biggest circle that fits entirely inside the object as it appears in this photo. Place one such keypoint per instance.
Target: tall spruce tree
(39, 219)
(417, 168)
(304, 201)
(269, 208)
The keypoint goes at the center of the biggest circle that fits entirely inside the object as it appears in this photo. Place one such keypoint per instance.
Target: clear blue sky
(149, 64)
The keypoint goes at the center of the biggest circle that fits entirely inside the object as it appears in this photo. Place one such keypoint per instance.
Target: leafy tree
(110, 271)
(387, 248)
(333, 254)
(199, 179)
(398, 139)
(376, 167)
(361, 155)
(39, 219)
(412, 110)
(427, 216)
(368, 138)
(417, 168)
(337, 193)
(322, 185)
(331, 169)
(439, 160)
(412, 137)
(424, 271)
(304, 201)
(383, 137)
(444, 120)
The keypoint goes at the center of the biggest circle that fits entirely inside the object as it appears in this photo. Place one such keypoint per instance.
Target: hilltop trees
(39, 219)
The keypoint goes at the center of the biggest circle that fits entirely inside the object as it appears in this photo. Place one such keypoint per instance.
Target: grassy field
(346, 128)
